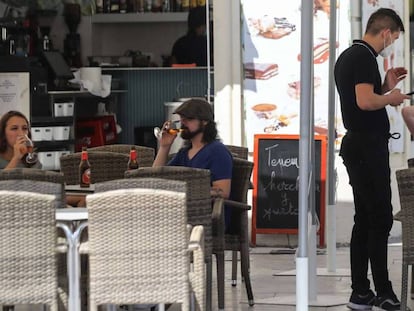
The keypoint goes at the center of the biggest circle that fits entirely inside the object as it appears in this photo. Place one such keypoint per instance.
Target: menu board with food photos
(276, 188)
(271, 59)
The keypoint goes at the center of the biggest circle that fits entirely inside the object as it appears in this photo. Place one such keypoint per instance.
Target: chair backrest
(35, 180)
(199, 210)
(240, 180)
(145, 155)
(410, 162)
(138, 243)
(104, 166)
(28, 273)
(405, 182)
(238, 151)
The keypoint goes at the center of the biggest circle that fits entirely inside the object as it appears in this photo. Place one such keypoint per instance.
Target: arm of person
(221, 188)
(392, 78)
(368, 100)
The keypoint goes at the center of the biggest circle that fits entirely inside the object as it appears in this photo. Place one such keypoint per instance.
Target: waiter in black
(365, 154)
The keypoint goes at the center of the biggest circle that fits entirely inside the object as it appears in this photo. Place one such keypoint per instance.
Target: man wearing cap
(201, 148)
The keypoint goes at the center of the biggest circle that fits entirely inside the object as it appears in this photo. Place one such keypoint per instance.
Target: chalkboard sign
(275, 177)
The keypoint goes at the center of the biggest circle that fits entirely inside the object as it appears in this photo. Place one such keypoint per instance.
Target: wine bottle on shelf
(185, 5)
(84, 169)
(99, 6)
(123, 6)
(115, 6)
(132, 162)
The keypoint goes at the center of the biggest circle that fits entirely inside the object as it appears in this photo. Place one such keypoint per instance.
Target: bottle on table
(132, 162)
(84, 170)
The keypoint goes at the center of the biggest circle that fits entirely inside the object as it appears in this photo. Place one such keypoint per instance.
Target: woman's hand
(19, 148)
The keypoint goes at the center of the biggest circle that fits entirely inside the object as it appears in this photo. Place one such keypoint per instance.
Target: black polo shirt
(358, 64)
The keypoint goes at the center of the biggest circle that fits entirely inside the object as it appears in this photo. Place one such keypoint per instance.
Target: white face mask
(386, 52)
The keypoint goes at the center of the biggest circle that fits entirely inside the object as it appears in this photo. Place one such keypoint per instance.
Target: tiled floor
(273, 281)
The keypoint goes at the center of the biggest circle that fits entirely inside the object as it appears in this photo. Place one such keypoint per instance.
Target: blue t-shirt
(214, 156)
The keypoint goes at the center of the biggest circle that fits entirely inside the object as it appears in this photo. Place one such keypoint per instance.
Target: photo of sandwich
(260, 71)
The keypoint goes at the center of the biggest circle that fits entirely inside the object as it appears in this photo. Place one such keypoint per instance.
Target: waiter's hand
(393, 77)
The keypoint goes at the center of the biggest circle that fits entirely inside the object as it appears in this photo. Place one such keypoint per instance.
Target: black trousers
(366, 158)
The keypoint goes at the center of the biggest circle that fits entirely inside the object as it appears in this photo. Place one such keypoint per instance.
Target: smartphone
(410, 93)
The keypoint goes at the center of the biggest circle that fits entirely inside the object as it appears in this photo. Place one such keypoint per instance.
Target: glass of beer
(170, 127)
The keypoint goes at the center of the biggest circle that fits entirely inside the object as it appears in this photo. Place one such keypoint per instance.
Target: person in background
(201, 148)
(192, 48)
(408, 117)
(364, 150)
(13, 127)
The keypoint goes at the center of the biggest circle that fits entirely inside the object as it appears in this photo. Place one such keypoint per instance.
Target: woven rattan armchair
(140, 248)
(145, 155)
(34, 180)
(155, 183)
(238, 151)
(199, 212)
(236, 238)
(405, 182)
(104, 166)
(28, 270)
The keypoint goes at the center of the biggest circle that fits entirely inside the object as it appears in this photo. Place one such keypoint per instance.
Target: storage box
(37, 133)
(48, 160)
(41, 133)
(58, 109)
(68, 109)
(47, 133)
(61, 132)
(95, 132)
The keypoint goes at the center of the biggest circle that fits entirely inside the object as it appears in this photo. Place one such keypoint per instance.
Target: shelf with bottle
(150, 17)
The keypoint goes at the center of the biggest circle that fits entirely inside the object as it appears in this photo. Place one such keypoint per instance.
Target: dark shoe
(388, 302)
(361, 302)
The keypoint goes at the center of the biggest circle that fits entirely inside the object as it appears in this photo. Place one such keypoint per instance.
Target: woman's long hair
(3, 123)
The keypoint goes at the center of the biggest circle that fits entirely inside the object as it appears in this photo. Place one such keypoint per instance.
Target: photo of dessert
(294, 87)
(320, 51)
(271, 27)
(265, 110)
(260, 71)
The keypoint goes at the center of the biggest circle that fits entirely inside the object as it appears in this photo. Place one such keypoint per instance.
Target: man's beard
(190, 135)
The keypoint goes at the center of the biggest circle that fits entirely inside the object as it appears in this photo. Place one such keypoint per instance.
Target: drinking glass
(170, 127)
(31, 157)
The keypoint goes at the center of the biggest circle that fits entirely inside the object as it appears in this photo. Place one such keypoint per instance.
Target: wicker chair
(405, 182)
(199, 212)
(139, 248)
(145, 155)
(46, 182)
(104, 166)
(237, 237)
(28, 270)
(152, 183)
(238, 151)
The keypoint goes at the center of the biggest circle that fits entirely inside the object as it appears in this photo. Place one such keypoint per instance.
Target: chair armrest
(217, 224)
(237, 205)
(198, 274)
(398, 216)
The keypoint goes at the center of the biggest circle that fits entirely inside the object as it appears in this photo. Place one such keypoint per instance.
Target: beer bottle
(132, 162)
(84, 170)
